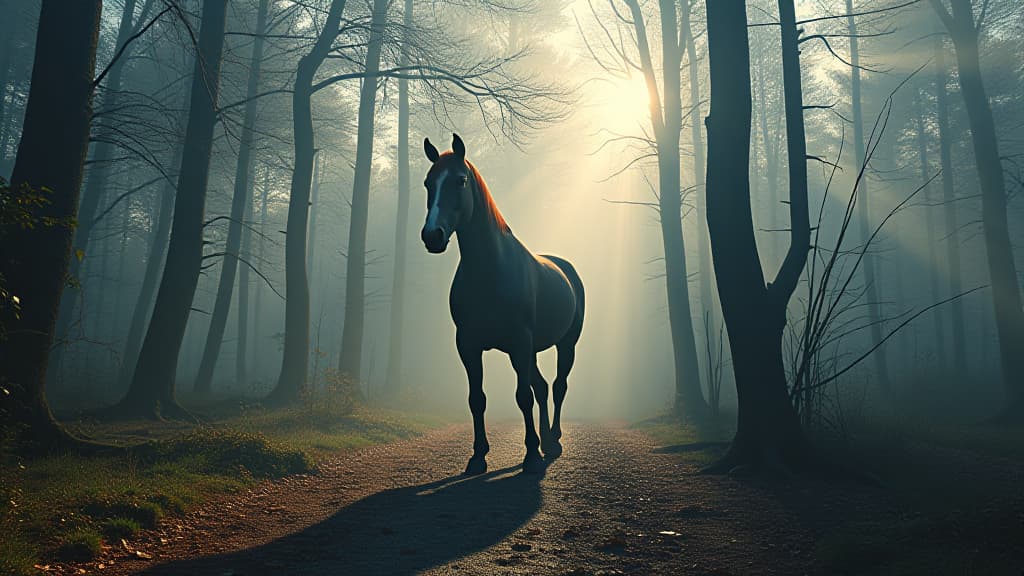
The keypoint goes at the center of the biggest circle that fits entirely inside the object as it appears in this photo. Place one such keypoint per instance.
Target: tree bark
(151, 393)
(768, 435)
(394, 370)
(239, 200)
(1002, 270)
(956, 309)
(291, 382)
(96, 185)
(355, 273)
(34, 261)
(872, 288)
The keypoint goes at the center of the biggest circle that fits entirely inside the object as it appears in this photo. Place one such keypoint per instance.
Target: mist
(227, 221)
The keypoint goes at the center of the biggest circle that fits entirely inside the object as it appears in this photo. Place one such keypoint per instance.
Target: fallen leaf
(143, 555)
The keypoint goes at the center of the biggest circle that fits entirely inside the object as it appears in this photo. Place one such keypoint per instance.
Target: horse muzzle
(435, 239)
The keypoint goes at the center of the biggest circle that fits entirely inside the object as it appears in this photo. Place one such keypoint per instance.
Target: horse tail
(577, 287)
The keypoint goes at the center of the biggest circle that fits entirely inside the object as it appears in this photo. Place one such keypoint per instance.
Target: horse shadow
(399, 531)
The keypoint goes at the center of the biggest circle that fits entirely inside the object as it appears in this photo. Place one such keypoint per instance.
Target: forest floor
(617, 502)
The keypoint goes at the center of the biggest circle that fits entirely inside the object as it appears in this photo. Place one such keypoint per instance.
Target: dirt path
(609, 505)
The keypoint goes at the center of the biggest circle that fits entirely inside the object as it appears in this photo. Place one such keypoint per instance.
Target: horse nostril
(432, 237)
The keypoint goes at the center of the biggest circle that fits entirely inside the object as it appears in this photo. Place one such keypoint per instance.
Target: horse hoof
(552, 449)
(476, 467)
(533, 464)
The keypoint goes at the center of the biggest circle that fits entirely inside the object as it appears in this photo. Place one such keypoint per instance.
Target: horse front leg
(471, 357)
(524, 361)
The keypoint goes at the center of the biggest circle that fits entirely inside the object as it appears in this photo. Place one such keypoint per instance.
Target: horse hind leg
(566, 358)
(540, 393)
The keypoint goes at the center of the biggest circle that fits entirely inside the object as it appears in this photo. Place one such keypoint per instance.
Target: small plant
(143, 514)
(120, 528)
(80, 545)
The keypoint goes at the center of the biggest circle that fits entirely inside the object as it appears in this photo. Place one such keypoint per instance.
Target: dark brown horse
(504, 297)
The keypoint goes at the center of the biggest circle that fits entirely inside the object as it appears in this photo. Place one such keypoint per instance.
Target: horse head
(449, 186)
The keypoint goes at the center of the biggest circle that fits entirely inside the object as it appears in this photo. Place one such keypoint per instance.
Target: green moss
(80, 545)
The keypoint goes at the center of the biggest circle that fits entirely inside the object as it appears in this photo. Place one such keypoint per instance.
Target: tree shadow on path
(399, 531)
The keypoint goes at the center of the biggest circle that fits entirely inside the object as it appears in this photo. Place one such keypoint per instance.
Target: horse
(503, 297)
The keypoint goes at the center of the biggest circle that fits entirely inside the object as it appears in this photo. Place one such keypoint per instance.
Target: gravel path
(609, 505)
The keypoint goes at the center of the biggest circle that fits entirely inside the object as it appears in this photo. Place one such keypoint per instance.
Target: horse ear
(431, 150)
(458, 146)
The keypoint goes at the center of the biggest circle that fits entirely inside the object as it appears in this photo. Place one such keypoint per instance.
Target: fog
(574, 174)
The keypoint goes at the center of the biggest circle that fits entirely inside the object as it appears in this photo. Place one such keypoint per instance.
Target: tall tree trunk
(295, 364)
(872, 287)
(51, 155)
(242, 348)
(314, 210)
(768, 434)
(393, 380)
(154, 266)
(933, 235)
(239, 201)
(355, 273)
(956, 309)
(96, 185)
(261, 251)
(1002, 270)
(151, 393)
(707, 295)
(667, 123)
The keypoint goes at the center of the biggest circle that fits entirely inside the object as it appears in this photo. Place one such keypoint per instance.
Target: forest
(234, 338)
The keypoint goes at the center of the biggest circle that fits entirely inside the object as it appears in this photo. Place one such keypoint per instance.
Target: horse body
(503, 297)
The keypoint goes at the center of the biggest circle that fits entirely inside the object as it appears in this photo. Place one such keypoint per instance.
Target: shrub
(80, 545)
(115, 529)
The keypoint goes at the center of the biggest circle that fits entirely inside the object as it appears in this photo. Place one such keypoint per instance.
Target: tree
(949, 200)
(151, 393)
(240, 200)
(355, 272)
(871, 281)
(294, 366)
(768, 434)
(96, 186)
(964, 31)
(34, 259)
(666, 112)
(394, 369)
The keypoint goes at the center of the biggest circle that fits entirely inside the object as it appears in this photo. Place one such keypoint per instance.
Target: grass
(64, 507)
(698, 444)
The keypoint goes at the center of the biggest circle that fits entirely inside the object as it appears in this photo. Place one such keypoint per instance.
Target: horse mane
(489, 205)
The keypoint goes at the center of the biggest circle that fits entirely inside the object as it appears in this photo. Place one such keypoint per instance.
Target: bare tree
(151, 393)
(768, 435)
(964, 29)
(240, 201)
(34, 259)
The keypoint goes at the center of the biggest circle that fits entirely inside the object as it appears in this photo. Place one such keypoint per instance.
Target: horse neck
(482, 239)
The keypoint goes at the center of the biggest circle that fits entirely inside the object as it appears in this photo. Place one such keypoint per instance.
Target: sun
(625, 103)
